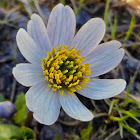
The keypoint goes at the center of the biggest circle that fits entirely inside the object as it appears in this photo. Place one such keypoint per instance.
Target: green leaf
(111, 106)
(113, 31)
(106, 12)
(27, 133)
(20, 101)
(85, 133)
(130, 115)
(130, 129)
(10, 131)
(118, 119)
(1, 98)
(128, 91)
(133, 21)
(20, 116)
(121, 129)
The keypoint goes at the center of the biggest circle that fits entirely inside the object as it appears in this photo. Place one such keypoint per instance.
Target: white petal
(89, 36)
(28, 74)
(28, 47)
(44, 103)
(61, 25)
(37, 30)
(103, 88)
(104, 58)
(74, 108)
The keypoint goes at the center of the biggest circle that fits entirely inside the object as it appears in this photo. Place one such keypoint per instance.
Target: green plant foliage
(132, 23)
(80, 6)
(85, 133)
(20, 105)
(20, 101)
(1, 98)
(20, 116)
(9, 132)
(113, 30)
(106, 12)
(27, 133)
(12, 132)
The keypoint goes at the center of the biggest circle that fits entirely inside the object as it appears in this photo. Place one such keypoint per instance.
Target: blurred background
(116, 118)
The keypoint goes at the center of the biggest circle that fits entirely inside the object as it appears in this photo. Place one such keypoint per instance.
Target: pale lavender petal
(37, 30)
(74, 108)
(28, 47)
(44, 103)
(102, 88)
(61, 26)
(104, 58)
(28, 74)
(89, 36)
(7, 109)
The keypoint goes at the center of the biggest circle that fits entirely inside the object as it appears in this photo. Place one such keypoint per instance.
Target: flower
(7, 109)
(62, 65)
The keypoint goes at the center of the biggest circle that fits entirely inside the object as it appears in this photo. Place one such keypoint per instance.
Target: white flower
(57, 69)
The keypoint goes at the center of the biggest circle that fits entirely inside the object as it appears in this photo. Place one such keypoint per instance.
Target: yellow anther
(53, 51)
(65, 71)
(56, 76)
(75, 67)
(48, 63)
(84, 80)
(55, 85)
(60, 75)
(87, 68)
(54, 89)
(78, 52)
(70, 78)
(57, 55)
(59, 48)
(51, 69)
(61, 91)
(47, 78)
(82, 69)
(43, 60)
(73, 51)
(87, 64)
(71, 72)
(67, 62)
(72, 89)
(50, 84)
(75, 78)
(51, 80)
(71, 48)
(78, 74)
(86, 73)
(49, 53)
(69, 66)
(78, 87)
(43, 66)
(59, 87)
(70, 92)
(60, 63)
(81, 59)
(58, 81)
(83, 85)
(63, 78)
(57, 67)
(66, 83)
(51, 75)
(46, 72)
(65, 47)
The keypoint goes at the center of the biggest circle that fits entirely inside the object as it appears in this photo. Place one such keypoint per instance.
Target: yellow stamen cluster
(63, 69)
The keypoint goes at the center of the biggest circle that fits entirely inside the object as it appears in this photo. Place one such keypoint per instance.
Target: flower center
(63, 69)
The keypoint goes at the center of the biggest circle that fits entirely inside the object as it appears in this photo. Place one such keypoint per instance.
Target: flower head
(63, 65)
